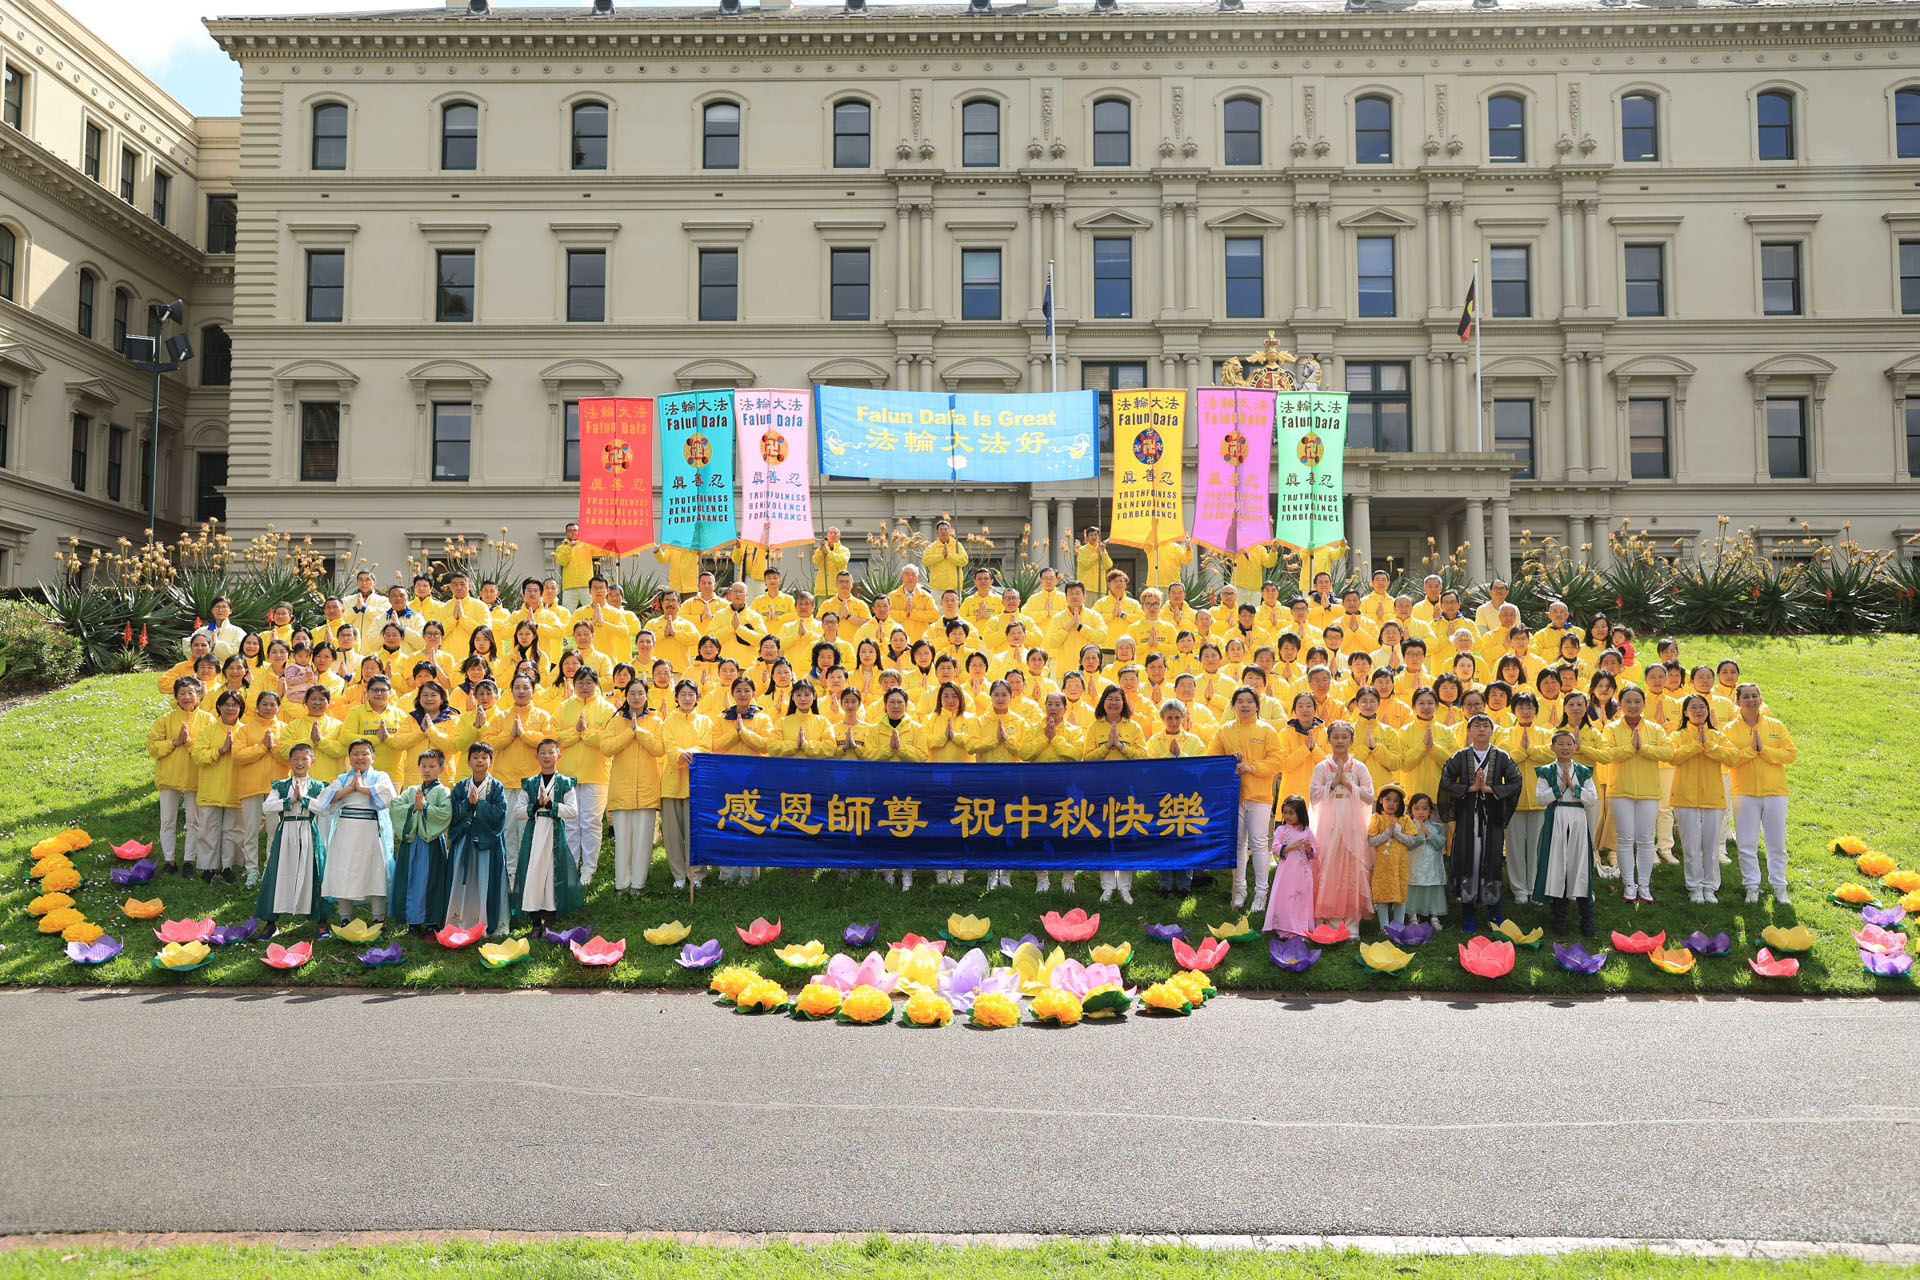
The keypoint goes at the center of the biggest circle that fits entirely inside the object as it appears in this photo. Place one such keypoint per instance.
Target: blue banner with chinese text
(922, 435)
(1176, 813)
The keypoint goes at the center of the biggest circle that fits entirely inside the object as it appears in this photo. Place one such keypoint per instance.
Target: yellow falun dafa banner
(1149, 438)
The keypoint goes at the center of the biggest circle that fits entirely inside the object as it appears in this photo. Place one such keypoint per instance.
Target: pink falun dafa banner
(1231, 510)
(774, 428)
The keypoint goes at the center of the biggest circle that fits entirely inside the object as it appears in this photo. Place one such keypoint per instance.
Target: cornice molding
(23, 158)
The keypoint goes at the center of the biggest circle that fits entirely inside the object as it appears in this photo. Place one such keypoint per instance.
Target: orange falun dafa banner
(1149, 438)
(616, 473)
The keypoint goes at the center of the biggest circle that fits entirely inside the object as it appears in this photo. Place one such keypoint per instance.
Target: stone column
(1577, 538)
(1462, 269)
(1036, 374)
(1421, 430)
(1168, 212)
(1569, 261)
(1438, 437)
(1191, 213)
(1574, 410)
(1462, 405)
(1041, 550)
(1436, 289)
(1476, 538)
(1323, 252)
(1501, 564)
(1063, 528)
(1302, 286)
(1590, 210)
(902, 372)
(926, 258)
(903, 284)
(1599, 424)
(1036, 254)
(1360, 532)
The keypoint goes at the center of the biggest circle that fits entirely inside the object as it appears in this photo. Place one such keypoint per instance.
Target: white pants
(1754, 817)
(1700, 837)
(250, 816)
(633, 846)
(1633, 823)
(376, 908)
(179, 822)
(1256, 845)
(219, 838)
(1663, 829)
(1523, 851)
(512, 834)
(583, 829)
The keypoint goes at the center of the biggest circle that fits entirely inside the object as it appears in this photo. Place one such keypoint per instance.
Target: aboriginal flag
(1467, 316)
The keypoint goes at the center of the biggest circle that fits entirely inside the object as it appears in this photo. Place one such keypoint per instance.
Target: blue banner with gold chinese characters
(696, 470)
(919, 435)
(1176, 814)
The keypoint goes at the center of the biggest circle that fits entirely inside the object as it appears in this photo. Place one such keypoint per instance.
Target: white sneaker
(1126, 895)
(1753, 895)
(1106, 895)
(1725, 861)
(887, 876)
(1044, 883)
(1239, 899)
(1066, 884)
(906, 881)
(678, 885)
(1782, 897)
(1258, 905)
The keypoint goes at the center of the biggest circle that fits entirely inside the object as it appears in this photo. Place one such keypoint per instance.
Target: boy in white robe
(357, 847)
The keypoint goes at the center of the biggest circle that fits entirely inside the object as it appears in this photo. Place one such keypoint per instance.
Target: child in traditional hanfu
(1290, 901)
(1565, 867)
(356, 868)
(1342, 797)
(420, 849)
(1390, 836)
(547, 882)
(296, 856)
(477, 855)
(1426, 863)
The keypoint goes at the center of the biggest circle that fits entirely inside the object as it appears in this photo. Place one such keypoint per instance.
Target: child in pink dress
(1290, 904)
(1342, 797)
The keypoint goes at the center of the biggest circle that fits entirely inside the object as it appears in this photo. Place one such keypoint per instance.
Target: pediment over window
(97, 390)
(1378, 218)
(580, 373)
(848, 371)
(1113, 220)
(1792, 366)
(981, 368)
(1245, 220)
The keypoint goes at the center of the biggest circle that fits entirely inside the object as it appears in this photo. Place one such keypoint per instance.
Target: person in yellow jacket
(1530, 744)
(199, 644)
(803, 732)
(1118, 610)
(895, 736)
(471, 724)
(749, 561)
(830, 557)
(216, 751)
(1250, 568)
(460, 614)
(612, 633)
(1701, 755)
(944, 557)
(320, 731)
(993, 733)
(1254, 745)
(575, 559)
(175, 775)
(631, 750)
(675, 636)
(1114, 735)
(1375, 742)
(259, 768)
(684, 733)
(738, 628)
(854, 612)
(1303, 744)
(1762, 750)
(577, 728)
(741, 728)
(1637, 747)
(1174, 738)
(1052, 739)
(945, 723)
(1424, 746)
(515, 738)
(1073, 629)
(683, 568)
(1166, 561)
(1091, 562)
(910, 605)
(1047, 600)
(380, 722)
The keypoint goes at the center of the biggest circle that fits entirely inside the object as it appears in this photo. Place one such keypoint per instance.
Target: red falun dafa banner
(616, 473)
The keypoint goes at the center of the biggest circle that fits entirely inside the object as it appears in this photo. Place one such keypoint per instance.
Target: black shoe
(227, 875)
(1203, 881)
(268, 928)
(173, 869)
(206, 877)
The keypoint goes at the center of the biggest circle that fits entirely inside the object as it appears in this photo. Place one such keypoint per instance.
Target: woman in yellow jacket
(741, 729)
(1375, 743)
(256, 769)
(1303, 744)
(631, 750)
(803, 732)
(684, 732)
(1424, 746)
(893, 735)
(216, 751)
(1114, 735)
(1701, 754)
(1762, 750)
(1637, 747)
(1530, 745)
(994, 732)
(946, 727)
(1255, 747)
(175, 776)
(200, 642)
(1053, 739)
(577, 725)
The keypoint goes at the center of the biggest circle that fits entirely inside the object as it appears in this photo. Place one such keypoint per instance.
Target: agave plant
(640, 588)
(889, 551)
(1900, 580)
(1843, 588)
(1635, 584)
(1779, 602)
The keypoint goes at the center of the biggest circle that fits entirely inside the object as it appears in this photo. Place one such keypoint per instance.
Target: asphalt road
(191, 1111)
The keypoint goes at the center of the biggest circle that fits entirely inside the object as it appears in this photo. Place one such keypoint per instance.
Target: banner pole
(1479, 428)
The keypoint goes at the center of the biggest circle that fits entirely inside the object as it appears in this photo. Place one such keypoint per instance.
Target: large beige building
(1698, 229)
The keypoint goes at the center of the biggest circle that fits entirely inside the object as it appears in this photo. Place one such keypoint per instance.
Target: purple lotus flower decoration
(227, 934)
(1166, 932)
(99, 951)
(389, 954)
(1702, 944)
(1292, 954)
(1895, 964)
(1411, 934)
(1574, 958)
(1010, 945)
(860, 935)
(134, 872)
(567, 937)
(1885, 917)
(699, 955)
(962, 980)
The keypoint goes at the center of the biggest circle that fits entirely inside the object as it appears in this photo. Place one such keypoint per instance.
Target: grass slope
(77, 758)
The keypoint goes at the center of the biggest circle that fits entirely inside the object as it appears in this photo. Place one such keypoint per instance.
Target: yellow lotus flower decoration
(1165, 995)
(669, 934)
(818, 1000)
(1062, 1007)
(918, 968)
(1911, 901)
(51, 847)
(1903, 881)
(1520, 937)
(761, 993)
(1854, 893)
(1852, 846)
(499, 953)
(85, 931)
(727, 982)
(1035, 969)
(356, 930)
(1674, 960)
(995, 1009)
(1798, 938)
(1116, 956)
(134, 909)
(1385, 957)
(47, 866)
(803, 955)
(75, 838)
(48, 902)
(1875, 864)
(865, 1004)
(968, 928)
(1193, 985)
(59, 918)
(61, 881)
(181, 955)
(927, 1009)
(1232, 928)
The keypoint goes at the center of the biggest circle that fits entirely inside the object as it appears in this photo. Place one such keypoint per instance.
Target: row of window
(1242, 141)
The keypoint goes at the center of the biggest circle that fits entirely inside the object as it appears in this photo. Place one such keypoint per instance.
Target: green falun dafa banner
(1309, 457)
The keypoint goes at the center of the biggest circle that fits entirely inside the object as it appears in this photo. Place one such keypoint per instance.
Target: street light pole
(153, 440)
(151, 355)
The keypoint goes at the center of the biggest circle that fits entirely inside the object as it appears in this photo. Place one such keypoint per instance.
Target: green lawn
(77, 758)
(892, 1260)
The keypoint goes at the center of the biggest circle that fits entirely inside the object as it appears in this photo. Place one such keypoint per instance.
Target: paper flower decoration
(1848, 846)
(1901, 881)
(1194, 986)
(1485, 958)
(1411, 934)
(225, 935)
(187, 930)
(727, 982)
(64, 880)
(134, 909)
(1638, 943)
(927, 1009)
(1165, 932)
(81, 931)
(666, 935)
(498, 955)
(914, 969)
(1768, 965)
(913, 940)
(99, 951)
(1061, 1008)
(843, 973)
(1676, 960)
(51, 847)
(1886, 964)
(803, 955)
(566, 937)
(356, 931)
(1519, 937)
(1035, 968)
(965, 980)
(1326, 935)
(1077, 979)
(1873, 864)
(1292, 954)
(1798, 938)
(1209, 953)
(1165, 997)
(182, 956)
(48, 902)
(968, 928)
(864, 1006)
(44, 867)
(1108, 1001)
(1882, 941)
(1119, 957)
(58, 919)
(1852, 894)
(1009, 947)
(1384, 957)
(131, 851)
(1703, 945)
(1911, 902)
(1231, 930)
(1574, 958)
(597, 952)
(762, 995)
(75, 838)
(759, 933)
(454, 939)
(375, 957)
(815, 1001)
(699, 955)
(133, 873)
(994, 1009)
(860, 935)
(1075, 926)
(279, 957)
(1885, 917)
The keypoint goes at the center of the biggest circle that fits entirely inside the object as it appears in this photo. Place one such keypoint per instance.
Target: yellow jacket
(853, 611)
(219, 774)
(1250, 568)
(828, 563)
(743, 735)
(1698, 768)
(785, 740)
(1383, 756)
(1258, 744)
(460, 619)
(1299, 752)
(612, 635)
(362, 721)
(944, 561)
(1762, 772)
(675, 641)
(515, 758)
(580, 756)
(1536, 750)
(1129, 743)
(739, 633)
(576, 564)
(1418, 769)
(681, 734)
(173, 766)
(1065, 745)
(878, 744)
(631, 752)
(1091, 565)
(983, 735)
(1160, 745)
(329, 753)
(1066, 636)
(683, 568)
(1636, 774)
(1165, 562)
(940, 749)
(914, 616)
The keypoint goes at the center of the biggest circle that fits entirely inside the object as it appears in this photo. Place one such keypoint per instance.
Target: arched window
(216, 357)
(330, 136)
(1112, 132)
(720, 136)
(84, 318)
(1506, 129)
(1639, 127)
(122, 318)
(1372, 131)
(1906, 122)
(9, 251)
(980, 134)
(1775, 116)
(852, 135)
(1242, 143)
(590, 135)
(460, 136)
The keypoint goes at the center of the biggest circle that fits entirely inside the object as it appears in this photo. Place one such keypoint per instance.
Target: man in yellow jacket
(575, 559)
(944, 557)
(830, 557)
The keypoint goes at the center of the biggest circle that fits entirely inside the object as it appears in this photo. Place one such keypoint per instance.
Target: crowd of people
(446, 757)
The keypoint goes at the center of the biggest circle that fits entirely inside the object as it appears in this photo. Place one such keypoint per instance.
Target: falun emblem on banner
(773, 448)
(698, 450)
(616, 456)
(1311, 449)
(1148, 446)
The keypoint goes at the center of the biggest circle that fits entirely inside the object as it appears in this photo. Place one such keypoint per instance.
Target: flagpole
(1479, 427)
(1053, 337)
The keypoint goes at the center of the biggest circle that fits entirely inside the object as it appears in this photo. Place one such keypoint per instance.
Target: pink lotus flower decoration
(1326, 935)
(1209, 953)
(598, 952)
(844, 975)
(292, 957)
(1075, 926)
(760, 933)
(913, 940)
(1078, 979)
(188, 930)
(1485, 958)
(453, 939)
(1768, 965)
(1884, 942)
(132, 851)
(1638, 943)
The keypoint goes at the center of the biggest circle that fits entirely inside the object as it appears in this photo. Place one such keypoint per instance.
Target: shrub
(35, 652)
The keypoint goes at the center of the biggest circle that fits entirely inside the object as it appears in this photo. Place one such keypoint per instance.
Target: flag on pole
(1046, 302)
(1467, 316)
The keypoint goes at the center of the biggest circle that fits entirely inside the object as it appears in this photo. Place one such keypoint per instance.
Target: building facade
(1697, 230)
